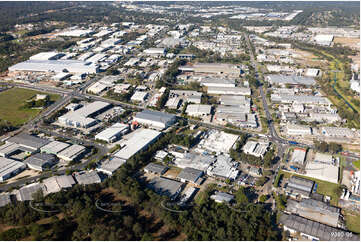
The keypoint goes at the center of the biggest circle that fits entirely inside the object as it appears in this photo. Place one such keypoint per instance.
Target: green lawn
(352, 221)
(324, 188)
(357, 164)
(11, 102)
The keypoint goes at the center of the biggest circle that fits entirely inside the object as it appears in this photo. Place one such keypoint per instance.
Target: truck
(294, 168)
(292, 142)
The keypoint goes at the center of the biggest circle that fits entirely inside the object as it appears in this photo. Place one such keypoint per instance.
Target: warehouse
(199, 162)
(155, 168)
(291, 80)
(312, 72)
(298, 156)
(28, 142)
(113, 133)
(223, 168)
(187, 95)
(56, 183)
(54, 147)
(135, 142)
(9, 168)
(72, 153)
(323, 39)
(324, 158)
(173, 103)
(47, 56)
(232, 109)
(8, 149)
(305, 99)
(338, 132)
(312, 230)
(230, 100)
(76, 33)
(72, 66)
(139, 96)
(315, 210)
(325, 117)
(217, 68)
(229, 90)
(155, 51)
(217, 82)
(255, 148)
(322, 171)
(198, 110)
(26, 193)
(82, 117)
(166, 187)
(97, 88)
(295, 129)
(155, 119)
(299, 186)
(110, 166)
(4, 199)
(189, 174)
(40, 161)
(218, 141)
(221, 197)
(87, 177)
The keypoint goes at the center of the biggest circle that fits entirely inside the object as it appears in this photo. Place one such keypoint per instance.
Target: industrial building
(136, 142)
(312, 230)
(298, 156)
(229, 91)
(51, 55)
(4, 199)
(155, 168)
(186, 95)
(97, 88)
(54, 147)
(221, 197)
(40, 161)
(322, 171)
(8, 149)
(166, 187)
(155, 119)
(110, 166)
(315, 210)
(155, 51)
(305, 99)
(218, 141)
(26, 193)
(113, 133)
(324, 158)
(9, 168)
(216, 68)
(338, 132)
(71, 66)
(325, 117)
(139, 96)
(323, 39)
(199, 110)
(291, 80)
(189, 174)
(217, 82)
(296, 129)
(230, 100)
(83, 117)
(299, 186)
(199, 162)
(28, 143)
(223, 168)
(57, 183)
(87, 177)
(255, 148)
(73, 152)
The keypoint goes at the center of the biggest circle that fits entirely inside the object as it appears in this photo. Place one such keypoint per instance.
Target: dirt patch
(349, 42)
(308, 59)
(24, 174)
(172, 172)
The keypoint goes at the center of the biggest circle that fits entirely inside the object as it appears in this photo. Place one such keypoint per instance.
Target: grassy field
(324, 188)
(352, 221)
(11, 102)
(357, 164)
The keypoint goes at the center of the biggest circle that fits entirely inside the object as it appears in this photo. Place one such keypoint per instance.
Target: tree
(241, 197)
(263, 198)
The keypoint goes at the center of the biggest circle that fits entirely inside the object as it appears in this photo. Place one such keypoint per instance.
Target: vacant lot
(353, 221)
(11, 102)
(349, 42)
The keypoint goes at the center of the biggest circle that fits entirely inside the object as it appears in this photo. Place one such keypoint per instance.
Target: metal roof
(27, 140)
(156, 168)
(87, 177)
(72, 151)
(25, 193)
(4, 199)
(8, 166)
(39, 160)
(190, 174)
(315, 229)
(165, 186)
(54, 147)
(155, 116)
(111, 165)
(222, 197)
